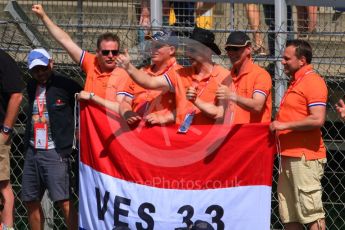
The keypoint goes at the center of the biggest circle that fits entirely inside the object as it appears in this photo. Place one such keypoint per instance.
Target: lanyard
(281, 104)
(292, 87)
(203, 88)
(40, 104)
(195, 84)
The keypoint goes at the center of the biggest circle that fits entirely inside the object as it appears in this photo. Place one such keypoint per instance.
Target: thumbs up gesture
(123, 60)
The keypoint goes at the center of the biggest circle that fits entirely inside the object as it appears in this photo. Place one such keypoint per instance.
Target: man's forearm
(309, 123)
(58, 34)
(62, 38)
(140, 77)
(209, 109)
(124, 107)
(13, 109)
(112, 105)
(250, 104)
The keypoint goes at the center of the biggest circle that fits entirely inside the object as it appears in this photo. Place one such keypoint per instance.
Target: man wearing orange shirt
(251, 84)
(103, 78)
(203, 75)
(156, 106)
(301, 115)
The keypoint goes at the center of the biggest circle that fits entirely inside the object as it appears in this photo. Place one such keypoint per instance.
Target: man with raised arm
(103, 77)
(155, 106)
(203, 75)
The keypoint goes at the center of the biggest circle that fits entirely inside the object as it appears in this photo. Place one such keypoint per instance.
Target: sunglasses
(233, 48)
(1, 207)
(157, 46)
(39, 68)
(113, 52)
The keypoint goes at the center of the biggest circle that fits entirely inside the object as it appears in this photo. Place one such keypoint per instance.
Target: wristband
(6, 130)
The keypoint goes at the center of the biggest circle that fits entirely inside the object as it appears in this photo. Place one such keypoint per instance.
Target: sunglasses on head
(113, 52)
(233, 48)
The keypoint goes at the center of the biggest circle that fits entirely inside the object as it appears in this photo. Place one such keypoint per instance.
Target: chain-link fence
(84, 20)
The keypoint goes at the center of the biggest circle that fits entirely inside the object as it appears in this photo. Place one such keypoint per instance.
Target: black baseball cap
(238, 39)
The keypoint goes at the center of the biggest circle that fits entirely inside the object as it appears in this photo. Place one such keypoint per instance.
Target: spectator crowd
(163, 93)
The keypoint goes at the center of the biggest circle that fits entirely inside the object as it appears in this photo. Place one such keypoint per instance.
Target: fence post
(156, 14)
(80, 23)
(232, 16)
(281, 35)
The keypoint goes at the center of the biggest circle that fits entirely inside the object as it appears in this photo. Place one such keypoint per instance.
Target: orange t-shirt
(104, 85)
(253, 79)
(183, 78)
(149, 101)
(308, 89)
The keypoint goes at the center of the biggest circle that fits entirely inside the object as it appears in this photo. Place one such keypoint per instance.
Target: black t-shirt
(10, 81)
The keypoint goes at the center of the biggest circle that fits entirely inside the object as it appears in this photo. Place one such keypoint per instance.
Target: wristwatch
(91, 95)
(6, 130)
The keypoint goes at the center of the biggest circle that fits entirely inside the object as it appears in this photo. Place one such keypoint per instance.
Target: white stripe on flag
(244, 207)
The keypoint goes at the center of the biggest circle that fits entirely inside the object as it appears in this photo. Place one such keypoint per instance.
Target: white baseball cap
(38, 57)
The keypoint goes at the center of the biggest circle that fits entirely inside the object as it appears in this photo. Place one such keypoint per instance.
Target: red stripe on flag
(208, 157)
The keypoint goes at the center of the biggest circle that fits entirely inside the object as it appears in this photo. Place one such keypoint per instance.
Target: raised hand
(38, 10)
(123, 60)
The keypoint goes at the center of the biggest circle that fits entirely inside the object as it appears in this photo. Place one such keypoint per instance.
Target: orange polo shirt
(104, 85)
(183, 78)
(148, 101)
(253, 79)
(306, 90)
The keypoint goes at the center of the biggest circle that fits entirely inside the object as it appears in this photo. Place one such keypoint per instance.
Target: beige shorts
(300, 191)
(5, 149)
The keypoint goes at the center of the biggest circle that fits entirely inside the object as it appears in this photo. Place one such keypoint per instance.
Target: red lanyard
(200, 92)
(40, 104)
